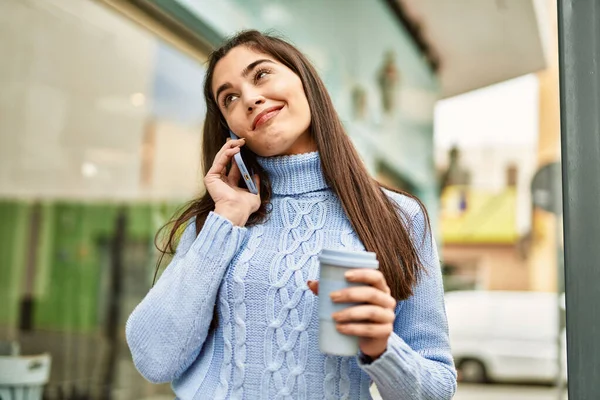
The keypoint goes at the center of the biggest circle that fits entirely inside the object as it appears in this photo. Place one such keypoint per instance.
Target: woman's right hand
(232, 202)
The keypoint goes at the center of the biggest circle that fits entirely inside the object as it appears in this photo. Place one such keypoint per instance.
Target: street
(501, 392)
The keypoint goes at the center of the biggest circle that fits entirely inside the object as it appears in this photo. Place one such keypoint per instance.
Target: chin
(270, 153)
(270, 148)
(275, 140)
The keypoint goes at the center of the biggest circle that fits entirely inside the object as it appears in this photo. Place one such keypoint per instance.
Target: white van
(505, 336)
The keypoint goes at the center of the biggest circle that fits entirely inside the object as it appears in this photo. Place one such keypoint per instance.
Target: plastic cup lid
(350, 259)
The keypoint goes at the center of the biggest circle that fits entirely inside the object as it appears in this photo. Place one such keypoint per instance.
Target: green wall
(72, 254)
(13, 246)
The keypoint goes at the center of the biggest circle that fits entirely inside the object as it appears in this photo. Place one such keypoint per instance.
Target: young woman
(235, 314)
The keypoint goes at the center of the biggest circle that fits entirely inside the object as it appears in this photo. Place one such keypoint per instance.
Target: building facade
(101, 122)
(485, 217)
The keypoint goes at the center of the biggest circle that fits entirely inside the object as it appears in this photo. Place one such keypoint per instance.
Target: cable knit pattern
(285, 276)
(349, 241)
(239, 297)
(345, 378)
(266, 344)
(330, 377)
(225, 375)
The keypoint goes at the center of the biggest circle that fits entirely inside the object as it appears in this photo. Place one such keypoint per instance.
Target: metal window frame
(579, 71)
(171, 22)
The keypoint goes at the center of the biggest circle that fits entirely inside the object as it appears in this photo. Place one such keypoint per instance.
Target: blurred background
(101, 112)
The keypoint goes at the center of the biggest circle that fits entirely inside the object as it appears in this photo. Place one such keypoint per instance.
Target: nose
(254, 101)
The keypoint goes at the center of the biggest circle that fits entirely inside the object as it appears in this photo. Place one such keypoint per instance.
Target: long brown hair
(373, 215)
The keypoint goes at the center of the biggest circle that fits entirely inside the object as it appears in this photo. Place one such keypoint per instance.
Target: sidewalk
(498, 392)
(476, 392)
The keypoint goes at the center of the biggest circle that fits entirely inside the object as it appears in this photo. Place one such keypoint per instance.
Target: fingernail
(334, 295)
(350, 274)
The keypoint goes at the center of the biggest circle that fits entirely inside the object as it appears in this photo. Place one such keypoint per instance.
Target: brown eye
(260, 74)
(228, 99)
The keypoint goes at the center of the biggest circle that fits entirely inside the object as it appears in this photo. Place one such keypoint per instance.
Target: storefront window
(100, 125)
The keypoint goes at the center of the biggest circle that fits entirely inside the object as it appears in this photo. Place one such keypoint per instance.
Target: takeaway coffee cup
(334, 264)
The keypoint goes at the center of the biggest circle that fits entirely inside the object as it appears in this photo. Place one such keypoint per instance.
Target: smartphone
(240, 163)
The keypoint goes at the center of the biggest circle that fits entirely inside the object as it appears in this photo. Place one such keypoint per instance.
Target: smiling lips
(265, 115)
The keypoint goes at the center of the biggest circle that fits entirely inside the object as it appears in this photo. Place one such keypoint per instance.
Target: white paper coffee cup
(333, 265)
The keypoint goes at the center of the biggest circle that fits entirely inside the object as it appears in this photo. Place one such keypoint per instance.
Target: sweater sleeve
(166, 331)
(418, 364)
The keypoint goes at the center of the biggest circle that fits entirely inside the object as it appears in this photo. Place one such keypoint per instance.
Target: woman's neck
(294, 174)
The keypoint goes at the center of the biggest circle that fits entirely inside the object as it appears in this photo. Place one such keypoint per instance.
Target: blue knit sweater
(266, 344)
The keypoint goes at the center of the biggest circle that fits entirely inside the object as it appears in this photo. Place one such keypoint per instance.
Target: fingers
(224, 155)
(364, 294)
(234, 175)
(220, 164)
(371, 277)
(376, 293)
(314, 287)
(363, 313)
(229, 144)
(375, 331)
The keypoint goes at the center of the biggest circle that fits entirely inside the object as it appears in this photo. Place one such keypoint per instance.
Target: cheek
(236, 123)
(302, 108)
(298, 103)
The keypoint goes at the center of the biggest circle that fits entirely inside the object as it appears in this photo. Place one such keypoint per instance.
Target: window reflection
(99, 143)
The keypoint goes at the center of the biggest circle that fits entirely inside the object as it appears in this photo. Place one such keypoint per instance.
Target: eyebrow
(245, 73)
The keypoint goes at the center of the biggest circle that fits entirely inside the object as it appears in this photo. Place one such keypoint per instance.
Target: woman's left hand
(372, 321)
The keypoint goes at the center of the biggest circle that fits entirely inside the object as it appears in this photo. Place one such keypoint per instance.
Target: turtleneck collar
(295, 174)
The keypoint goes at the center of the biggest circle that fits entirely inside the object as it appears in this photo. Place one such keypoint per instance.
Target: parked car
(505, 336)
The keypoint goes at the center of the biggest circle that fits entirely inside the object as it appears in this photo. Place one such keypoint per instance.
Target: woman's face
(264, 102)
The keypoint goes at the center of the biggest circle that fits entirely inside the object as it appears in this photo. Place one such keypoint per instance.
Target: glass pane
(99, 141)
(498, 153)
